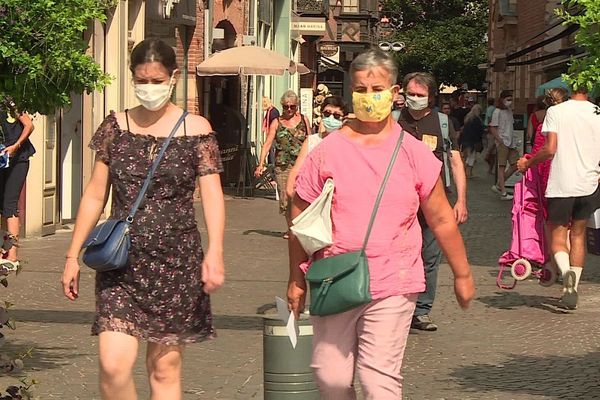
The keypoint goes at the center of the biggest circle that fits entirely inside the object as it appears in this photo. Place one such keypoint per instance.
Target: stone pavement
(509, 345)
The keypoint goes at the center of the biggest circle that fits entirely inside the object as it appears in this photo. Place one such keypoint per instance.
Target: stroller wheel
(548, 276)
(520, 269)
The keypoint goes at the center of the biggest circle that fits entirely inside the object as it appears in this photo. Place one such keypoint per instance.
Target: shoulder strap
(382, 189)
(445, 142)
(152, 170)
(444, 128)
(127, 120)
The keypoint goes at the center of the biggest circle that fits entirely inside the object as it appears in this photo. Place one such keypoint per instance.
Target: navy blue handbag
(107, 246)
(4, 159)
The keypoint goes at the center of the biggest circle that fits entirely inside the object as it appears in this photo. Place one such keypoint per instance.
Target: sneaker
(506, 196)
(570, 297)
(423, 323)
(496, 189)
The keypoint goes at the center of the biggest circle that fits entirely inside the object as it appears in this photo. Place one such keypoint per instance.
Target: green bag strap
(382, 189)
(446, 140)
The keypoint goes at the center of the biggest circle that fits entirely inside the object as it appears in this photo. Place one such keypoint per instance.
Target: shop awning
(551, 84)
(560, 83)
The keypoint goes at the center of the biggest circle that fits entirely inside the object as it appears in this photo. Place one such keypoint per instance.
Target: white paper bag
(313, 226)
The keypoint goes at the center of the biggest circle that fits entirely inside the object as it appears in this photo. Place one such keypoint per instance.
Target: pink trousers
(369, 339)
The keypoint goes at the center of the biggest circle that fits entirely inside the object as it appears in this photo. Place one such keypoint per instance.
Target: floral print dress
(158, 297)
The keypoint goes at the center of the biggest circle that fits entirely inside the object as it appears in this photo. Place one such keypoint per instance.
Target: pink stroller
(528, 247)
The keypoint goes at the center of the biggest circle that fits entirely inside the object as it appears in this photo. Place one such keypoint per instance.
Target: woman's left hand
(213, 272)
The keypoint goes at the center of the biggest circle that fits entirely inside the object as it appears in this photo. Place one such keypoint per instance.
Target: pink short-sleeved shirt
(394, 247)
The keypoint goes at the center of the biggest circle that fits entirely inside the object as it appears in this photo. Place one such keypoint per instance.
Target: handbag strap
(152, 170)
(382, 189)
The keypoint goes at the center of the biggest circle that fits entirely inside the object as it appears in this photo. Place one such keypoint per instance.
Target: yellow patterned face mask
(372, 107)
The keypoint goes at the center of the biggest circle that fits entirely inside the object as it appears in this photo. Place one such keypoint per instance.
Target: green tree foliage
(585, 71)
(446, 38)
(42, 52)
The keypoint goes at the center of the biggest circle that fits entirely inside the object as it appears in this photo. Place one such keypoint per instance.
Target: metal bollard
(287, 372)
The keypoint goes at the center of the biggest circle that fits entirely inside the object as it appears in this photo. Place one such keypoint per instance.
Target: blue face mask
(331, 123)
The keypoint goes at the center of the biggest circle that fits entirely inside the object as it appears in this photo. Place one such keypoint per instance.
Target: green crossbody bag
(341, 283)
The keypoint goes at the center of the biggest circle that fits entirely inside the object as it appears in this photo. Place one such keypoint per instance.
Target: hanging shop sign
(309, 26)
(330, 50)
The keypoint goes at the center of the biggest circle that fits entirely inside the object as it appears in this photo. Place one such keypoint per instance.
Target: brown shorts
(506, 154)
(281, 177)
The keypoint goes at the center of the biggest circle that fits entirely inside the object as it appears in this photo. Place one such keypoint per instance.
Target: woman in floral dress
(287, 133)
(161, 296)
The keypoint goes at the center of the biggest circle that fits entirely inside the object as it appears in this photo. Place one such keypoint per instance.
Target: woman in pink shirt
(372, 337)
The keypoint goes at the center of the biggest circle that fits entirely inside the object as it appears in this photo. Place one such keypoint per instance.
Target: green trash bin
(287, 372)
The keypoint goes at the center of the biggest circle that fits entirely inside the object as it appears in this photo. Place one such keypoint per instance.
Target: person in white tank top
(334, 112)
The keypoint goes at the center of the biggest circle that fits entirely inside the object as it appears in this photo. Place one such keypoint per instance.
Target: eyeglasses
(337, 116)
(289, 106)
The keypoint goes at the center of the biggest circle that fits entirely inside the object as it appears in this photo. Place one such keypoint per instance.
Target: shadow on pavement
(263, 232)
(53, 316)
(234, 322)
(42, 358)
(557, 377)
(238, 322)
(513, 300)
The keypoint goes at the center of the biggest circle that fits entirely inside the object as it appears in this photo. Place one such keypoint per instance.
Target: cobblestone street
(511, 344)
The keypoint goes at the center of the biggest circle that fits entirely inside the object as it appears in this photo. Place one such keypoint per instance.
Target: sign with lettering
(309, 26)
(229, 153)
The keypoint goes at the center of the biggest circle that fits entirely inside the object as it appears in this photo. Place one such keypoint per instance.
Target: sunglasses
(289, 106)
(327, 114)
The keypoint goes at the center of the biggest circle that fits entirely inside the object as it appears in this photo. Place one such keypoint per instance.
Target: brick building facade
(527, 46)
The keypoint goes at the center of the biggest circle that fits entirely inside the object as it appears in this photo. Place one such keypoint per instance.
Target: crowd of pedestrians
(393, 161)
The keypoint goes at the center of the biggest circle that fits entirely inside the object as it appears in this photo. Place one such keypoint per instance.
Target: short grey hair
(290, 96)
(374, 58)
(423, 79)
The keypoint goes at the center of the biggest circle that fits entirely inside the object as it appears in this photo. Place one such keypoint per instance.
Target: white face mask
(417, 103)
(153, 96)
(507, 103)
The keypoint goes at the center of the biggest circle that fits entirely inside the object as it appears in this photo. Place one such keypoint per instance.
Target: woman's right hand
(259, 170)
(296, 296)
(70, 278)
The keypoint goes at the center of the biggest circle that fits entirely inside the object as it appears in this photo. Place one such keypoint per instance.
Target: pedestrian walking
(489, 151)
(271, 114)
(536, 118)
(16, 127)
(471, 139)
(501, 127)
(553, 97)
(162, 295)
(287, 133)
(446, 109)
(435, 130)
(572, 131)
(370, 339)
(333, 111)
